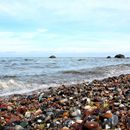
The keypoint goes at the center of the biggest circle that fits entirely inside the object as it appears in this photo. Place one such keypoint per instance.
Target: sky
(64, 27)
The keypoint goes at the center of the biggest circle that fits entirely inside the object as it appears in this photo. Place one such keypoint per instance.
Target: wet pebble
(18, 127)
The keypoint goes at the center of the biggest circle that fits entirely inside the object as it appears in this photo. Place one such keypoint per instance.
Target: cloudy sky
(64, 27)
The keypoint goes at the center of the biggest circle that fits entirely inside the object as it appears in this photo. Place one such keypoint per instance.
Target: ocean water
(19, 75)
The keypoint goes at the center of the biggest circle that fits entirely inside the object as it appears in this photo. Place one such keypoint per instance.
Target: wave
(18, 87)
(97, 70)
(72, 72)
(8, 76)
(10, 85)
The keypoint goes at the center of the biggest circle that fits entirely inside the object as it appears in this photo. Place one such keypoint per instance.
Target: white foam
(18, 87)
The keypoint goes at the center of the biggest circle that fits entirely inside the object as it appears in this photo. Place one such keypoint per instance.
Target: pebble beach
(64, 64)
(98, 105)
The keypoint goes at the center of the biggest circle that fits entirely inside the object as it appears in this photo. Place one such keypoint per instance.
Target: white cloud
(72, 8)
(26, 35)
(18, 45)
(48, 42)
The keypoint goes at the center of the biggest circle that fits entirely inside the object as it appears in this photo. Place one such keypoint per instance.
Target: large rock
(52, 56)
(108, 57)
(119, 56)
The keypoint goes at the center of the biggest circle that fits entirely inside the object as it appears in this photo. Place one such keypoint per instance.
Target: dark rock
(108, 57)
(119, 56)
(81, 59)
(1, 127)
(52, 56)
(127, 93)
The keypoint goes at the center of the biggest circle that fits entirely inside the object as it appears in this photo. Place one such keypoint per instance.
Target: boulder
(119, 56)
(52, 56)
(108, 57)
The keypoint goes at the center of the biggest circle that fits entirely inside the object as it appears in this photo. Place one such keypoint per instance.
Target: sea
(23, 75)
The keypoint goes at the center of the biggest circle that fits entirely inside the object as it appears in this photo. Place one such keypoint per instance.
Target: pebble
(18, 127)
(115, 120)
(65, 128)
(38, 112)
(91, 125)
(28, 114)
(76, 113)
(9, 108)
(101, 104)
(79, 121)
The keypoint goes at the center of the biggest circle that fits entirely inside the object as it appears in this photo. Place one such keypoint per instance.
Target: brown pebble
(65, 128)
(91, 125)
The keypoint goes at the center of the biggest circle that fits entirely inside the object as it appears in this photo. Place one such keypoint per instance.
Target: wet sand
(101, 104)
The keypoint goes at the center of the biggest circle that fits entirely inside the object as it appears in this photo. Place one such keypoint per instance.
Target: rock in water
(52, 56)
(119, 56)
(108, 57)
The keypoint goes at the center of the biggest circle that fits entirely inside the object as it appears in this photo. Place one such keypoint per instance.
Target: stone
(88, 107)
(40, 97)
(68, 123)
(115, 120)
(107, 115)
(52, 56)
(63, 100)
(65, 128)
(41, 126)
(39, 121)
(1, 127)
(65, 114)
(76, 126)
(9, 108)
(22, 110)
(24, 124)
(38, 112)
(127, 93)
(18, 127)
(121, 105)
(79, 121)
(91, 125)
(108, 57)
(88, 100)
(28, 114)
(119, 56)
(76, 113)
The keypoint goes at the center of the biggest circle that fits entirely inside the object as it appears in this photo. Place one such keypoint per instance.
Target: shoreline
(55, 86)
(70, 107)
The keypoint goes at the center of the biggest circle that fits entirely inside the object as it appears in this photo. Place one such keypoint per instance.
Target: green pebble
(3, 109)
(24, 124)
